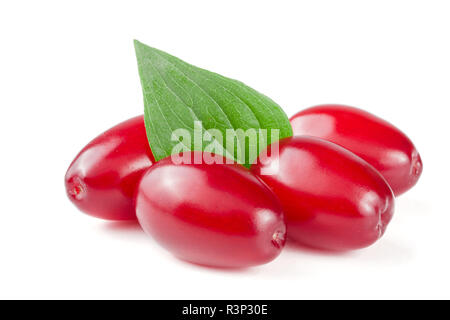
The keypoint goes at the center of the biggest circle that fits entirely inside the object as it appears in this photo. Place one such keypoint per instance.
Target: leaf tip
(137, 44)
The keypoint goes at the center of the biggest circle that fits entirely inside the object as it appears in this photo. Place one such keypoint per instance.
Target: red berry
(217, 215)
(332, 199)
(102, 179)
(378, 142)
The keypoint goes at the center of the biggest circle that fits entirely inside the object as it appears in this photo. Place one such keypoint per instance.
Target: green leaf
(176, 94)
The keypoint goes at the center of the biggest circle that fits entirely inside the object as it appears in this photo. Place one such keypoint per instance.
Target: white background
(68, 72)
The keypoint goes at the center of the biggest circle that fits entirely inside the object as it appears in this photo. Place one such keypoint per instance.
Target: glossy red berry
(332, 199)
(216, 215)
(102, 179)
(378, 142)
